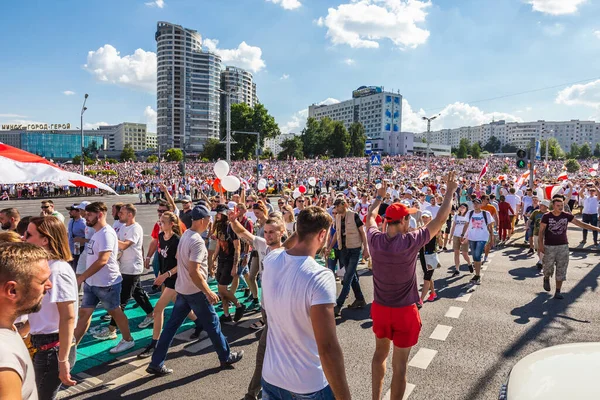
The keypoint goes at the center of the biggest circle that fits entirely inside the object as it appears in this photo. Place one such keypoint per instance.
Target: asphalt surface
(504, 319)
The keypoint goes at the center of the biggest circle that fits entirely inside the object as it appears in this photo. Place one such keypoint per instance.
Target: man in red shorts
(394, 312)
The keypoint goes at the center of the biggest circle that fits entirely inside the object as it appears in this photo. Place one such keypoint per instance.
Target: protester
(9, 218)
(48, 209)
(25, 281)
(535, 219)
(478, 231)
(303, 356)
(52, 328)
(429, 262)
(75, 232)
(459, 221)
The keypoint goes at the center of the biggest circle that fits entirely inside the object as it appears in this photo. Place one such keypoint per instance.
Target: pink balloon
(302, 189)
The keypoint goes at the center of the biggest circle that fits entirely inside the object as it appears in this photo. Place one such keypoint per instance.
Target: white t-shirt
(362, 209)
(117, 225)
(14, 355)
(291, 286)
(104, 240)
(514, 201)
(250, 215)
(459, 224)
(191, 249)
(590, 204)
(132, 259)
(59, 216)
(260, 245)
(478, 230)
(433, 210)
(64, 289)
(82, 262)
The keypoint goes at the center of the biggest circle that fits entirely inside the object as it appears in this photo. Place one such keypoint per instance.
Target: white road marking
(198, 346)
(453, 312)
(464, 297)
(127, 378)
(422, 358)
(484, 267)
(409, 388)
(440, 332)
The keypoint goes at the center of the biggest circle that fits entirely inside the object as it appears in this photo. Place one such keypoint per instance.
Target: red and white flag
(19, 166)
(562, 177)
(423, 175)
(484, 170)
(551, 190)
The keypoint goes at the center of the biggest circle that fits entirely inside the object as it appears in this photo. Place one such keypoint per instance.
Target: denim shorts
(272, 392)
(110, 296)
(477, 248)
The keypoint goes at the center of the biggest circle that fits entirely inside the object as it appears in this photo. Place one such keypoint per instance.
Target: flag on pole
(563, 176)
(423, 175)
(551, 190)
(483, 170)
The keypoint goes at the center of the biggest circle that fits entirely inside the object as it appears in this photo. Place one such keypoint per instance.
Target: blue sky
(442, 55)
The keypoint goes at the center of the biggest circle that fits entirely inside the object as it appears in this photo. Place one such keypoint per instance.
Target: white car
(567, 371)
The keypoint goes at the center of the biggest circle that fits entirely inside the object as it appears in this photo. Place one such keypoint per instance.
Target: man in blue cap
(193, 293)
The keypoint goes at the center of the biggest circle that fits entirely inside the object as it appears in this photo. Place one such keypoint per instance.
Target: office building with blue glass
(55, 145)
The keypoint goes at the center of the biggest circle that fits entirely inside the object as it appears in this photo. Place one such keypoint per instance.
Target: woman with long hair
(168, 240)
(53, 326)
(261, 213)
(458, 224)
(289, 220)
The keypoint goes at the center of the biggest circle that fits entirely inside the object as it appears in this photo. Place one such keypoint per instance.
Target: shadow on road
(549, 311)
(522, 273)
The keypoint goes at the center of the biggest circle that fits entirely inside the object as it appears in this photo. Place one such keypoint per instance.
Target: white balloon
(264, 181)
(296, 194)
(230, 183)
(378, 186)
(312, 181)
(221, 169)
(593, 173)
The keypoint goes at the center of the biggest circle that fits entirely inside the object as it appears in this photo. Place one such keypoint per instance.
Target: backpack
(484, 216)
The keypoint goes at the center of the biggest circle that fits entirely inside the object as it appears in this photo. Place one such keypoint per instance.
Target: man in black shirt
(186, 215)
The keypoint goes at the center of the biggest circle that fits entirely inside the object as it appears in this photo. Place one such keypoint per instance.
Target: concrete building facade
(241, 83)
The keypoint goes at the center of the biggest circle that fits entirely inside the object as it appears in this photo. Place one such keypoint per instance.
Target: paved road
(467, 346)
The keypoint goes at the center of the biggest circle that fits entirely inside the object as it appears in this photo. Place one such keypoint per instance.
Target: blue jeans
(349, 260)
(271, 392)
(207, 319)
(477, 248)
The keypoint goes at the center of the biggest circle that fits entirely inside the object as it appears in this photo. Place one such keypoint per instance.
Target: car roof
(567, 371)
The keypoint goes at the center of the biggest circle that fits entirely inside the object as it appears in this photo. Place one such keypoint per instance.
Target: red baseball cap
(398, 211)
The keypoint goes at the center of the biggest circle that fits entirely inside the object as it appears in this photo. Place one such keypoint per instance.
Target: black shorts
(223, 275)
(170, 282)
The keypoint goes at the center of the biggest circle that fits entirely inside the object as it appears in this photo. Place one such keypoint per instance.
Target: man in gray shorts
(554, 244)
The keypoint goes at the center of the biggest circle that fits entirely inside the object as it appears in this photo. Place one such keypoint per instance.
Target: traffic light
(521, 159)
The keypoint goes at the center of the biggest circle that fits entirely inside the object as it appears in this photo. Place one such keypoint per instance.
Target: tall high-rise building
(241, 84)
(187, 92)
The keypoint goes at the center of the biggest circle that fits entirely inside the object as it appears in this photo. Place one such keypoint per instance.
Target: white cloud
(555, 29)
(556, 7)
(349, 61)
(245, 56)
(150, 119)
(284, 77)
(287, 4)
(454, 115)
(156, 3)
(364, 23)
(12, 116)
(297, 121)
(94, 125)
(68, 93)
(587, 94)
(597, 33)
(136, 71)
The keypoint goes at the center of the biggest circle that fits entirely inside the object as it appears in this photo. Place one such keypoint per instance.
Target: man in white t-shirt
(24, 279)
(193, 294)
(274, 230)
(515, 203)
(478, 231)
(303, 354)
(102, 278)
(48, 210)
(131, 264)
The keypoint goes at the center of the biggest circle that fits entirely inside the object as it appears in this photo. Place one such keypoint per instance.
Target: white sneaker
(123, 345)
(106, 334)
(146, 322)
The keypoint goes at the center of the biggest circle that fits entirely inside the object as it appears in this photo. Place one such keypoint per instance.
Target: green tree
(597, 150)
(339, 140)
(250, 119)
(291, 148)
(267, 154)
(213, 150)
(87, 160)
(91, 150)
(476, 150)
(357, 139)
(493, 145)
(315, 137)
(574, 153)
(174, 154)
(509, 148)
(572, 166)
(585, 152)
(505, 169)
(463, 148)
(128, 154)
(554, 150)
(152, 159)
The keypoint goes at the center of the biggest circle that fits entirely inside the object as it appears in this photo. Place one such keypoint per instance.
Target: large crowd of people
(55, 271)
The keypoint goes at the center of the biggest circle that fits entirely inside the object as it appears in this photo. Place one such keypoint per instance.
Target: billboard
(366, 91)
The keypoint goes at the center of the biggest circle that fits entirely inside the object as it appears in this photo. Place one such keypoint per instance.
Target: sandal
(258, 325)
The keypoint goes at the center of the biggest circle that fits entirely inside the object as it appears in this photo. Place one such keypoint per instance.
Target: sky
(471, 61)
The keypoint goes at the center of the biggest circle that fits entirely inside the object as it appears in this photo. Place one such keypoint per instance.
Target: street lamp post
(547, 145)
(428, 132)
(83, 108)
(228, 141)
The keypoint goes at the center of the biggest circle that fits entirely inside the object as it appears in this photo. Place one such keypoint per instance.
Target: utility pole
(532, 162)
(83, 108)
(428, 132)
(228, 138)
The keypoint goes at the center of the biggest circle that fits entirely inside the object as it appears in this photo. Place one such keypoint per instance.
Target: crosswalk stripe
(422, 358)
(464, 297)
(453, 312)
(440, 332)
(409, 388)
